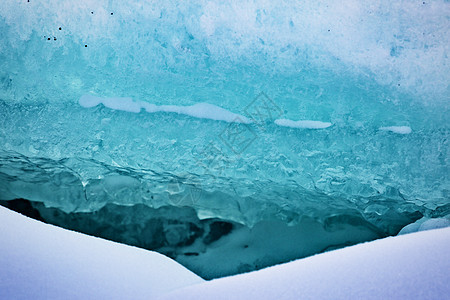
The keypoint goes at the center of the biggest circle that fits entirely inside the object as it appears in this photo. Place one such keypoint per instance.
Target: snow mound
(414, 266)
(41, 261)
(426, 224)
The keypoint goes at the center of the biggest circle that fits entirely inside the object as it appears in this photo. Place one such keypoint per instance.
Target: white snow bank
(397, 129)
(41, 261)
(199, 110)
(426, 224)
(302, 124)
(414, 266)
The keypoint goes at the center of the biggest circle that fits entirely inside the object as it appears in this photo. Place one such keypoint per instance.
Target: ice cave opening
(228, 136)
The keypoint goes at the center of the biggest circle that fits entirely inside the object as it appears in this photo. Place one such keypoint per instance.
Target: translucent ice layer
(248, 113)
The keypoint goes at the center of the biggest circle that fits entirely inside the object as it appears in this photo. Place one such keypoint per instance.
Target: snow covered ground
(41, 261)
(412, 266)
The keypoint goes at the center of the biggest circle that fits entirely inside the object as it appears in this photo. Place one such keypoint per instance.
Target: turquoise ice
(251, 112)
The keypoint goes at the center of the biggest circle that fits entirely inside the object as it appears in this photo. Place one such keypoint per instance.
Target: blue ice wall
(377, 72)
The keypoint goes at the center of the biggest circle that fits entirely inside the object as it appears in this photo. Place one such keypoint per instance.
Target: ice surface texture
(246, 112)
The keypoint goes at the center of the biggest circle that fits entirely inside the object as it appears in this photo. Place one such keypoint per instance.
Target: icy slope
(412, 266)
(40, 261)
